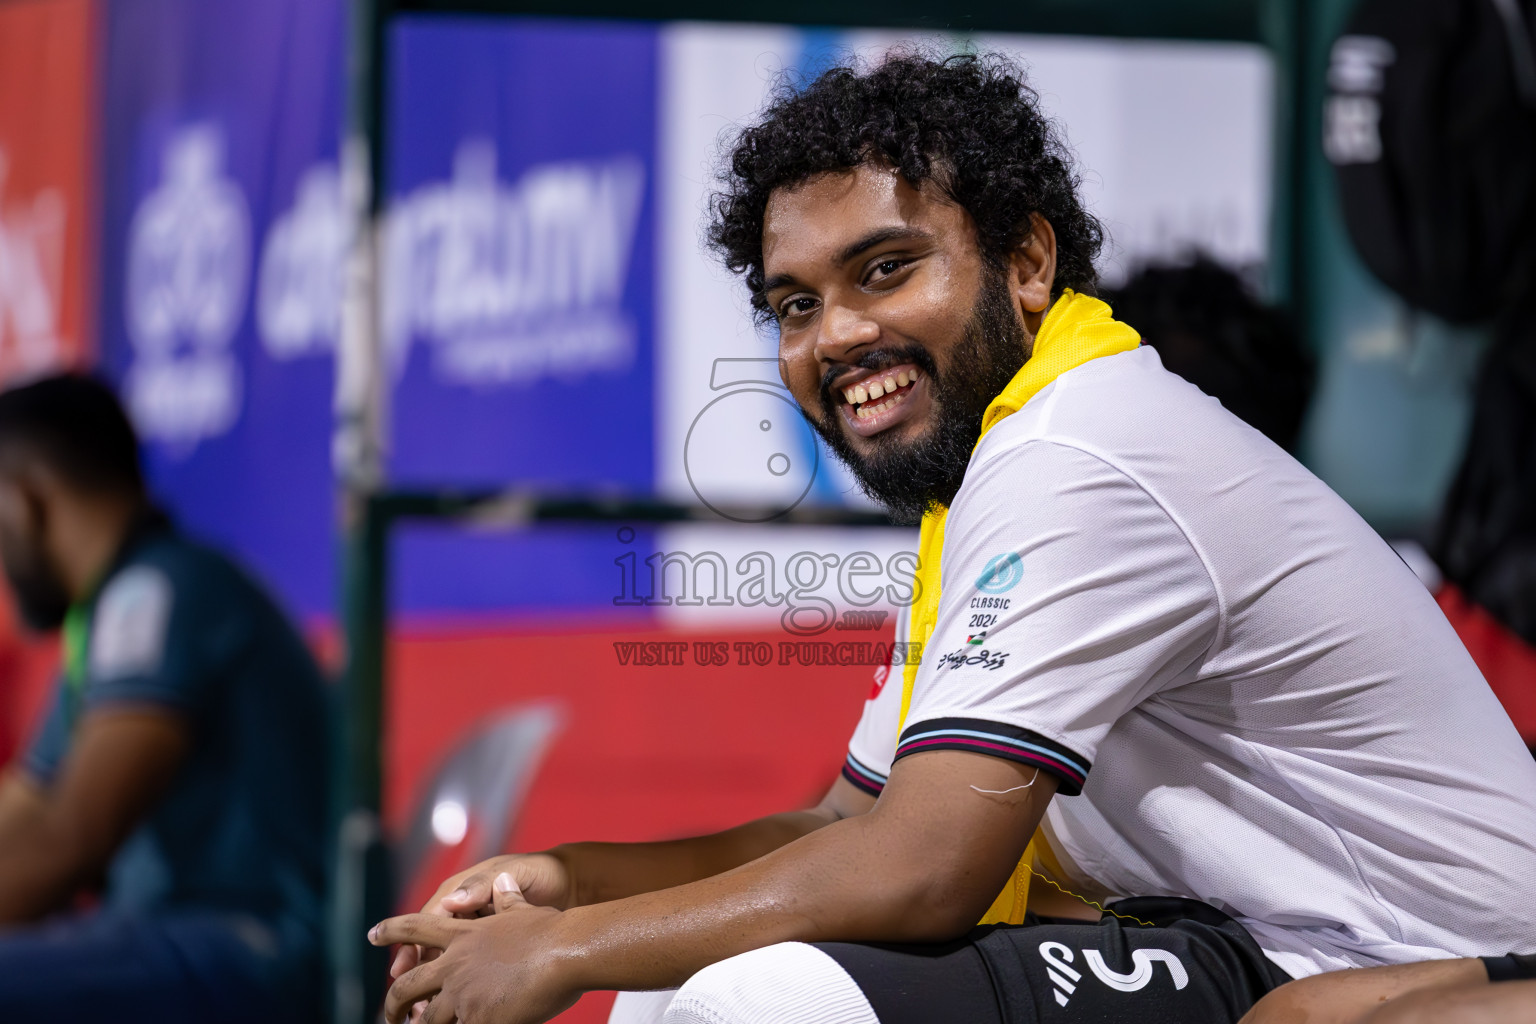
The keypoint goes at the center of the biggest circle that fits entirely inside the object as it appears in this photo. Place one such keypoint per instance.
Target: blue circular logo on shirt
(1001, 575)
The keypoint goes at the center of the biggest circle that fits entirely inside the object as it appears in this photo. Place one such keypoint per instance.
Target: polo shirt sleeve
(148, 641)
(1069, 597)
(43, 757)
(873, 745)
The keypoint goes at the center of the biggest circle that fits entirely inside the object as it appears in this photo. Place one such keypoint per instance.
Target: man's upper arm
(145, 671)
(121, 762)
(954, 825)
(845, 800)
(1069, 597)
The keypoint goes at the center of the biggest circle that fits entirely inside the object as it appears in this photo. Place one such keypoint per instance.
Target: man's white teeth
(870, 390)
(866, 411)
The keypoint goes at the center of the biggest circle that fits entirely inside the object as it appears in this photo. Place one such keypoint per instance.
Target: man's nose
(843, 332)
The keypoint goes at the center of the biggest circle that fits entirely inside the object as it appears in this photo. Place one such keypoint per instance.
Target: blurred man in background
(182, 769)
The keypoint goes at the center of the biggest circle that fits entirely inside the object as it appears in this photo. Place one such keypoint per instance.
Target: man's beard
(42, 600)
(910, 477)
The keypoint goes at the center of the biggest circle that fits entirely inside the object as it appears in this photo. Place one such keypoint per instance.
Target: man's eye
(796, 306)
(885, 268)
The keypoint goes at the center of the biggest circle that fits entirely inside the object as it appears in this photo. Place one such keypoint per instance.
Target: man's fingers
(407, 958)
(440, 1010)
(472, 894)
(508, 893)
(411, 987)
(411, 956)
(419, 929)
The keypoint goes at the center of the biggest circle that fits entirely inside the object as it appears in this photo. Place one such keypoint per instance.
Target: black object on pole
(1430, 124)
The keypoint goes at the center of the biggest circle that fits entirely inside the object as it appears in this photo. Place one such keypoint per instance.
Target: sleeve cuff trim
(999, 740)
(862, 776)
(40, 771)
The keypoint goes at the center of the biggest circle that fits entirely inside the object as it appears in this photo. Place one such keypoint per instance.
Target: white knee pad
(641, 1007)
(790, 983)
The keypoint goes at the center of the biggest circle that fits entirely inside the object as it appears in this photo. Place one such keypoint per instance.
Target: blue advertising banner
(518, 277)
(221, 230)
(517, 280)
(517, 283)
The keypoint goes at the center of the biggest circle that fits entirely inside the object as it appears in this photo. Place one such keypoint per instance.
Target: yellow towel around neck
(1077, 328)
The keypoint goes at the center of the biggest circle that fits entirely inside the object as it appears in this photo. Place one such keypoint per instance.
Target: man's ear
(34, 507)
(1032, 268)
(21, 500)
(41, 489)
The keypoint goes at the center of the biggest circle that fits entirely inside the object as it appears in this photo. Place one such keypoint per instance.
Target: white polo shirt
(1259, 704)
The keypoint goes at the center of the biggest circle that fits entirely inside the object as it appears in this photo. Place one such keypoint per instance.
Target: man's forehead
(817, 219)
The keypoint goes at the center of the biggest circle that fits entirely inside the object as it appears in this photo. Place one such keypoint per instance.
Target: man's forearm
(36, 878)
(37, 869)
(601, 872)
(921, 864)
(844, 882)
(21, 805)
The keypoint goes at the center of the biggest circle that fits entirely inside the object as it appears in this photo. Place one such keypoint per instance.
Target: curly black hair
(969, 123)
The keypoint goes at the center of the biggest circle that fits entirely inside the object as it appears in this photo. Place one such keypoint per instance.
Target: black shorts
(1190, 964)
(1514, 967)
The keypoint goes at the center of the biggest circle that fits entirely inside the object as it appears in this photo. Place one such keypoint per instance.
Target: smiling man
(1163, 664)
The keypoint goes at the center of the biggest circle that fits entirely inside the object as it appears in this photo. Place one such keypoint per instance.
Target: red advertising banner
(47, 124)
(46, 75)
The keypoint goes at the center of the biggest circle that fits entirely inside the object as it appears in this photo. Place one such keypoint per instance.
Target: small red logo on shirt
(880, 675)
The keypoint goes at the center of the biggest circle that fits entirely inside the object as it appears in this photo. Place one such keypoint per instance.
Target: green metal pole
(360, 881)
(1283, 26)
(361, 889)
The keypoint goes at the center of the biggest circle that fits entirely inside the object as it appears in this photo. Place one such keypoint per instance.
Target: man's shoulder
(194, 587)
(175, 593)
(1129, 413)
(163, 589)
(1108, 402)
(188, 566)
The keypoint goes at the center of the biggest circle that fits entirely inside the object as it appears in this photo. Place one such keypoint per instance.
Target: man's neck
(90, 535)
